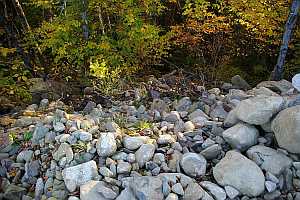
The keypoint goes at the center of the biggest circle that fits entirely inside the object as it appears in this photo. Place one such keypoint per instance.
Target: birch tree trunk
(289, 26)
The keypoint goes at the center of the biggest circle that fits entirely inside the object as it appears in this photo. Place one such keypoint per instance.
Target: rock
(39, 133)
(214, 189)
(286, 127)
(44, 103)
(259, 110)
(281, 86)
(193, 164)
(211, 152)
(24, 121)
(147, 187)
(96, 190)
(231, 192)
(193, 192)
(25, 155)
(106, 172)
(184, 104)
(174, 177)
(79, 174)
(111, 126)
(218, 111)
(144, 154)
(133, 143)
(231, 119)
(126, 194)
(13, 192)
(123, 167)
(270, 186)
(178, 189)
(296, 82)
(172, 196)
(59, 127)
(73, 198)
(241, 136)
(197, 113)
(269, 159)
(106, 145)
(39, 188)
(166, 139)
(272, 195)
(85, 136)
(159, 105)
(189, 126)
(172, 117)
(32, 168)
(241, 173)
(89, 107)
(64, 150)
(239, 82)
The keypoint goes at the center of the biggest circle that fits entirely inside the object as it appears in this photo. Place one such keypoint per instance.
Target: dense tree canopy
(80, 39)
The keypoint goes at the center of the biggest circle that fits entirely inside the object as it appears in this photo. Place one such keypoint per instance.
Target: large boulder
(241, 173)
(241, 136)
(281, 86)
(286, 127)
(79, 174)
(259, 110)
(269, 159)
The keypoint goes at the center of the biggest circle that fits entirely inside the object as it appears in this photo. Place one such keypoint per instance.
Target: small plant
(142, 125)
(79, 147)
(13, 138)
(27, 136)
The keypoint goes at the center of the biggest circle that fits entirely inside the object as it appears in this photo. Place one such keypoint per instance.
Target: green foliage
(27, 136)
(142, 125)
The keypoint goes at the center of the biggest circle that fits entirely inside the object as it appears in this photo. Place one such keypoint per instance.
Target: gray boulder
(286, 127)
(241, 136)
(133, 143)
(241, 173)
(144, 154)
(269, 159)
(259, 110)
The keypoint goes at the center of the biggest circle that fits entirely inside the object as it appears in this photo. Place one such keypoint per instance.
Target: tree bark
(22, 14)
(289, 26)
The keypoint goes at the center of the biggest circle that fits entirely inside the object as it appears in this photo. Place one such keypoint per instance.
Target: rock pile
(234, 144)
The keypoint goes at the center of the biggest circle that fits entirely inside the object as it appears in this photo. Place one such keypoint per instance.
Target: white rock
(172, 196)
(64, 150)
(241, 173)
(241, 136)
(59, 127)
(286, 127)
(269, 159)
(144, 154)
(79, 174)
(123, 167)
(193, 192)
(271, 187)
(25, 155)
(260, 109)
(106, 145)
(189, 126)
(172, 117)
(193, 164)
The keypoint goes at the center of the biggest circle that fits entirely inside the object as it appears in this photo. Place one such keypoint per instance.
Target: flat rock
(281, 86)
(259, 110)
(241, 173)
(13, 192)
(241, 136)
(80, 174)
(25, 155)
(96, 190)
(269, 159)
(286, 127)
(211, 152)
(193, 192)
(64, 150)
(193, 164)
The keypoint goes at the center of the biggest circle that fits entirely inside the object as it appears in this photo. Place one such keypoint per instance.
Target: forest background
(101, 42)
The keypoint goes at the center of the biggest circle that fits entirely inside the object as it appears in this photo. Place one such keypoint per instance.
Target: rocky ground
(230, 143)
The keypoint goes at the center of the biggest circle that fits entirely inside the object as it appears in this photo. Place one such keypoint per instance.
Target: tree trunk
(21, 13)
(289, 26)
